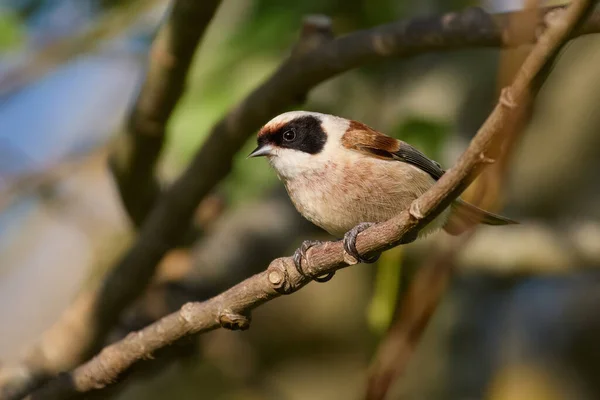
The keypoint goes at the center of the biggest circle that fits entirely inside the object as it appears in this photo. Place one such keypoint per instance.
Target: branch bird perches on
(231, 309)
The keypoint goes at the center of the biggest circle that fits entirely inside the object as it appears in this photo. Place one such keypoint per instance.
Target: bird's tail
(464, 215)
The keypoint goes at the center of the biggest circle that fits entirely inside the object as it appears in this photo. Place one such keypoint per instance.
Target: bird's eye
(290, 135)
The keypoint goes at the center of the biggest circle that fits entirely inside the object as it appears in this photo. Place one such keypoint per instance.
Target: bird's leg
(300, 254)
(350, 243)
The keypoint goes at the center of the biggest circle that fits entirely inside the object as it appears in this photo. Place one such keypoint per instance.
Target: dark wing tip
(411, 155)
(473, 213)
(361, 137)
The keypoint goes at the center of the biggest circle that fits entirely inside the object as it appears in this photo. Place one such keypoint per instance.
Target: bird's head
(299, 141)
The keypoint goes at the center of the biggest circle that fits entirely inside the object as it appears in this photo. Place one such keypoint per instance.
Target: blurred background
(519, 320)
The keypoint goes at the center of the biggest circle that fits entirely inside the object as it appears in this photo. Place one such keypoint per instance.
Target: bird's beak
(261, 150)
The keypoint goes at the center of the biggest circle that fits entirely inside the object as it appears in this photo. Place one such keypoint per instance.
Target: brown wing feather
(361, 137)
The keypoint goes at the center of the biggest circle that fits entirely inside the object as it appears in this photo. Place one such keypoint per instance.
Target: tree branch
(85, 324)
(133, 159)
(231, 309)
(239, 245)
(431, 280)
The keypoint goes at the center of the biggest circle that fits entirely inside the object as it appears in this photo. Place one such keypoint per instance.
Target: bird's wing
(360, 137)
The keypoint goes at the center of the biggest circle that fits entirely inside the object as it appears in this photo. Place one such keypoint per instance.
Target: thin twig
(231, 309)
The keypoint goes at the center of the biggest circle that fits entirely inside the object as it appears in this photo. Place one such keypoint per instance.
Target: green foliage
(251, 177)
(11, 31)
(426, 134)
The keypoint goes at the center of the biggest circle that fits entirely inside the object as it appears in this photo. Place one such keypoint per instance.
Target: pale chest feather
(341, 195)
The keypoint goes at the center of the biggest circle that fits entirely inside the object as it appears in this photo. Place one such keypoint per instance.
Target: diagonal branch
(431, 279)
(231, 309)
(133, 159)
(82, 329)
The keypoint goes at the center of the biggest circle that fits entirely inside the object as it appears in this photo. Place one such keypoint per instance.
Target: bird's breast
(341, 195)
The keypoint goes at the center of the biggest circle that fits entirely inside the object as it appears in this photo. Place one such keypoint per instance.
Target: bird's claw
(350, 243)
(300, 254)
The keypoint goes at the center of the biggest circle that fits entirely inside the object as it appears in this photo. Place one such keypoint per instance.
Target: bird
(345, 176)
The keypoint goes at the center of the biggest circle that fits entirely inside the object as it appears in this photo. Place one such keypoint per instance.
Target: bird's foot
(350, 243)
(300, 254)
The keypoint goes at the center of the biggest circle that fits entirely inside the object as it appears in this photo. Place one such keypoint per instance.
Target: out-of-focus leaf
(523, 382)
(11, 31)
(426, 134)
(250, 179)
(385, 293)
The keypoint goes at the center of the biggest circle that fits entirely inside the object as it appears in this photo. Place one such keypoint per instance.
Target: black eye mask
(303, 134)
